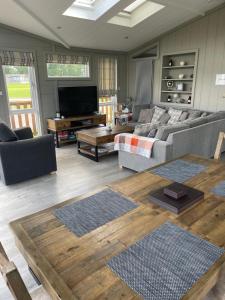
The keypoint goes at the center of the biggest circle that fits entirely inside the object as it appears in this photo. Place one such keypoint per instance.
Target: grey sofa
(197, 136)
(27, 157)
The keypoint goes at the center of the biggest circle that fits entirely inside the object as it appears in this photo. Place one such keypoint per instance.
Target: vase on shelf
(189, 100)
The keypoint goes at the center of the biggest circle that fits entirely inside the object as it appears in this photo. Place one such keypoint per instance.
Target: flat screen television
(77, 101)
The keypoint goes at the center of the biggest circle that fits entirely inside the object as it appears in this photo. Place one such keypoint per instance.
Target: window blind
(16, 58)
(67, 59)
(107, 75)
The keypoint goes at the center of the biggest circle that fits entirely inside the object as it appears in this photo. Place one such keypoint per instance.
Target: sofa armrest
(162, 151)
(24, 159)
(24, 133)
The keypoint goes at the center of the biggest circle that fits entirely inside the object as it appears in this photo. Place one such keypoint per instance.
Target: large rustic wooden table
(75, 268)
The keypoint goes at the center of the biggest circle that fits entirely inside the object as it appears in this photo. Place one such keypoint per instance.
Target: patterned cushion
(175, 115)
(158, 112)
(164, 119)
(145, 116)
(194, 114)
(144, 129)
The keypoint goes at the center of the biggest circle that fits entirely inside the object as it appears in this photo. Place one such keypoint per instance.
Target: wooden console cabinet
(69, 126)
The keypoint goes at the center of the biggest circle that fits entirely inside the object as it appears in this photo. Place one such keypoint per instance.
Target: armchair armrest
(24, 133)
(25, 159)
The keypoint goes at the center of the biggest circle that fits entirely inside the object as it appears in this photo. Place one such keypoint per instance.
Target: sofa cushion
(164, 131)
(183, 116)
(6, 134)
(195, 122)
(174, 114)
(145, 115)
(215, 116)
(164, 119)
(137, 109)
(194, 114)
(158, 113)
(144, 129)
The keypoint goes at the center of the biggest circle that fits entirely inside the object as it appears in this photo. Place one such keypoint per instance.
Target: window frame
(89, 78)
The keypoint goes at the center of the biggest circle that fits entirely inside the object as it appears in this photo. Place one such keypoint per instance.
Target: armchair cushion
(6, 134)
(24, 133)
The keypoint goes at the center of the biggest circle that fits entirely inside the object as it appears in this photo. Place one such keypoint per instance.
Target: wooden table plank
(72, 267)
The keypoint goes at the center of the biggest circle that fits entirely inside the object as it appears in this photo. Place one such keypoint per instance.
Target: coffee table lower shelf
(86, 150)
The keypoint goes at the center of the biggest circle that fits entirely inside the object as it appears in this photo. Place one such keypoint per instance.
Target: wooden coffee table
(95, 137)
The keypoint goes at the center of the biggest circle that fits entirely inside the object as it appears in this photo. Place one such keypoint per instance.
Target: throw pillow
(164, 119)
(145, 116)
(6, 134)
(204, 114)
(144, 129)
(194, 114)
(152, 133)
(175, 115)
(183, 116)
(158, 112)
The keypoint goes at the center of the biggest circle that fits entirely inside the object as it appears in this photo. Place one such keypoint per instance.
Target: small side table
(120, 116)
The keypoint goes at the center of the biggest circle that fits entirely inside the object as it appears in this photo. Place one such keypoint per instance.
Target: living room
(112, 123)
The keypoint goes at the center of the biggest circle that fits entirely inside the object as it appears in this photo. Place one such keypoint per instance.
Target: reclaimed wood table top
(101, 135)
(72, 267)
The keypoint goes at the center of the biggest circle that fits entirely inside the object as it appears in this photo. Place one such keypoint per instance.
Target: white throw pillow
(158, 112)
(174, 115)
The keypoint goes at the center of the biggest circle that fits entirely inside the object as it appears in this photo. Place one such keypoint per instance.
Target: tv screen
(77, 101)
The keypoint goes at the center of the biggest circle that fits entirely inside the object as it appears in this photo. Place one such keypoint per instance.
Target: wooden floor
(76, 175)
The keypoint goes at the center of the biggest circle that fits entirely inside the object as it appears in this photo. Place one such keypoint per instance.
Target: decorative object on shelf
(167, 77)
(170, 84)
(182, 63)
(192, 76)
(57, 115)
(170, 63)
(181, 76)
(175, 96)
(62, 117)
(189, 100)
(180, 86)
(182, 100)
(169, 99)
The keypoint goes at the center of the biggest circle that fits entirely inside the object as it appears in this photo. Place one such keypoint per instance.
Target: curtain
(144, 81)
(107, 76)
(67, 59)
(16, 58)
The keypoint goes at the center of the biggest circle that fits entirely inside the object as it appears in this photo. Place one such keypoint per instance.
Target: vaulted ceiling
(45, 18)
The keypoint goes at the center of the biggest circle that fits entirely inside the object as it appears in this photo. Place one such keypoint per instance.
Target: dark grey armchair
(27, 157)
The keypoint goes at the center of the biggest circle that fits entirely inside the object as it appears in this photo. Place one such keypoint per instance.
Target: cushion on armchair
(158, 113)
(145, 115)
(175, 115)
(6, 134)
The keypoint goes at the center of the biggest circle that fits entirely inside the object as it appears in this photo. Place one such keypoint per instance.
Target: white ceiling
(42, 17)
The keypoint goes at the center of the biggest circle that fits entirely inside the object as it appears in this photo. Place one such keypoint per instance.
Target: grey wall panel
(13, 39)
(208, 35)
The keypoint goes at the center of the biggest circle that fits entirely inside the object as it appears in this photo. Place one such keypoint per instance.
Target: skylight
(84, 3)
(135, 13)
(133, 6)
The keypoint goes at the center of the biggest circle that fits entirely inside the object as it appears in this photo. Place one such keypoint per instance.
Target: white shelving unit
(172, 72)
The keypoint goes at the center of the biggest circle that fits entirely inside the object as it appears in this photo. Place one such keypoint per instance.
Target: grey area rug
(179, 170)
(219, 189)
(88, 214)
(166, 263)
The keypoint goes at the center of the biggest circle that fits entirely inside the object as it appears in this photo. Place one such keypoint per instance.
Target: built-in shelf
(172, 79)
(179, 67)
(175, 65)
(177, 92)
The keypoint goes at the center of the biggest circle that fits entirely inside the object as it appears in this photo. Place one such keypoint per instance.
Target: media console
(64, 130)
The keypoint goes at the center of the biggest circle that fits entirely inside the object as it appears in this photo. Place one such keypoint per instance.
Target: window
(66, 66)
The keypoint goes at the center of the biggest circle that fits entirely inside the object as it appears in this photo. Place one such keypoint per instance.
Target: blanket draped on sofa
(134, 144)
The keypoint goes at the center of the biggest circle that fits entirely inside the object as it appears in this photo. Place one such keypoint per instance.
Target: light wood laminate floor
(76, 175)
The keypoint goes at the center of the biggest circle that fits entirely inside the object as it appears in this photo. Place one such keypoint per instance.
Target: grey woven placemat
(179, 170)
(166, 263)
(219, 189)
(88, 214)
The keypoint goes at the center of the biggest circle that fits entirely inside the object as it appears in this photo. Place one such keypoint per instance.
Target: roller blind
(16, 58)
(67, 59)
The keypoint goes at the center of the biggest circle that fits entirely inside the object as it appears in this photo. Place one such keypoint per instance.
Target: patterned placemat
(88, 214)
(219, 189)
(179, 170)
(166, 263)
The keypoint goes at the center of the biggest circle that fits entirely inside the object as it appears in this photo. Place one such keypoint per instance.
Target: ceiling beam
(41, 22)
(180, 4)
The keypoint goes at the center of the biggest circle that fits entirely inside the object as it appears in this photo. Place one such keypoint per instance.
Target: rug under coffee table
(95, 138)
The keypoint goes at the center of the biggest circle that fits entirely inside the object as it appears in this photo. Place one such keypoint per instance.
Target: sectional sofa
(196, 135)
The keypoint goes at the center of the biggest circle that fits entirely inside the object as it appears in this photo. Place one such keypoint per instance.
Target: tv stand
(64, 130)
